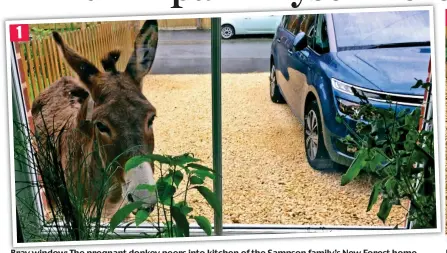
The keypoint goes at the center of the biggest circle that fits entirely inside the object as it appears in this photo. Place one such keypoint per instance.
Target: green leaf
(411, 139)
(378, 161)
(418, 84)
(380, 142)
(421, 84)
(159, 158)
(177, 177)
(402, 113)
(374, 195)
(384, 210)
(412, 120)
(377, 125)
(199, 167)
(426, 85)
(167, 178)
(165, 192)
(167, 225)
(203, 174)
(211, 198)
(122, 214)
(134, 162)
(204, 224)
(178, 231)
(137, 160)
(196, 180)
(390, 185)
(141, 217)
(180, 220)
(355, 167)
(148, 187)
(184, 208)
(349, 138)
(183, 159)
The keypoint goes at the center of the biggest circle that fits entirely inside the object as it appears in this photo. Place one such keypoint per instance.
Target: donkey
(106, 108)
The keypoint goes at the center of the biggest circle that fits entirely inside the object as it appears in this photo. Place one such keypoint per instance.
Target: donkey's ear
(143, 56)
(85, 69)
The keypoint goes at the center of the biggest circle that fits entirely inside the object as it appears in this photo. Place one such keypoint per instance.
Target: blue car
(317, 59)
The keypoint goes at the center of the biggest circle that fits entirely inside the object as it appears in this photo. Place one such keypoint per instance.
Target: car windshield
(379, 29)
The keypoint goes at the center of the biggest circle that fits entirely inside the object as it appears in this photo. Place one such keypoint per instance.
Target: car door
(253, 24)
(298, 64)
(284, 39)
(306, 63)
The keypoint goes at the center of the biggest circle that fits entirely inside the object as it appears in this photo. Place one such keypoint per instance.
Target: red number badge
(19, 33)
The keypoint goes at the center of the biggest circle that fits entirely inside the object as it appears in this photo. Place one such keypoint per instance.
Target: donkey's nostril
(129, 197)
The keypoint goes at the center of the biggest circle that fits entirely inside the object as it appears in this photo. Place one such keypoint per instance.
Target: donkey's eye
(151, 121)
(102, 128)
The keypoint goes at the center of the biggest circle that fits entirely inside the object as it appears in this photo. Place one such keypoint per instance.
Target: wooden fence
(61, 26)
(43, 65)
(194, 23)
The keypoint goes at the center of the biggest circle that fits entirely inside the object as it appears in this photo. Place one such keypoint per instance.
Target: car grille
(402, 99)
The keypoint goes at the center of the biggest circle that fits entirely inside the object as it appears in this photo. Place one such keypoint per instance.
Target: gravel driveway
(266, 178)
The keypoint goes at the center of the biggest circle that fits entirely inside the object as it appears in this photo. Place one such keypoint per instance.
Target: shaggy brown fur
(121, 120)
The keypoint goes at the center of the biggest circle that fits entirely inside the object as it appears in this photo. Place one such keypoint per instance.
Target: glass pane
(379, 28)
(293, 21)
(321, 36)
(285, 158)
(122, 138)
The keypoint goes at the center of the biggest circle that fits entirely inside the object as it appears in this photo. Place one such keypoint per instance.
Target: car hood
(390, 69)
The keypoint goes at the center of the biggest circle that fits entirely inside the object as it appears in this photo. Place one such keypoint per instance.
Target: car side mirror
(300, 41)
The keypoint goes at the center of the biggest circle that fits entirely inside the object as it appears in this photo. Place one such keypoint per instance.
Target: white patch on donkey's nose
(142, 174)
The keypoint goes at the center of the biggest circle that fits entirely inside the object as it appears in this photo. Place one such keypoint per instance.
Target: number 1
(19, 32)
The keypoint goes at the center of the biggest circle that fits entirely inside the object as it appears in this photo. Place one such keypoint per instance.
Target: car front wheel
(316, 152)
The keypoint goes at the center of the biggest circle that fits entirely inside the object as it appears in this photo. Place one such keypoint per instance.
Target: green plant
(40, 32)
(389, 145)
(73, 216)
(172, 211)
(76, 217)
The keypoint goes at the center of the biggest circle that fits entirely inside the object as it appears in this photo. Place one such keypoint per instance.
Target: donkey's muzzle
(137, 187)
(148, 208)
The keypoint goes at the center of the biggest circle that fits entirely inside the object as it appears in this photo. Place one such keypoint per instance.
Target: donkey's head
(117, 114)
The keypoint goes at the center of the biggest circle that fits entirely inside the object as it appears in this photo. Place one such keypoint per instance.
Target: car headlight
(347, 107)
(354, 90)
(341, 86)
